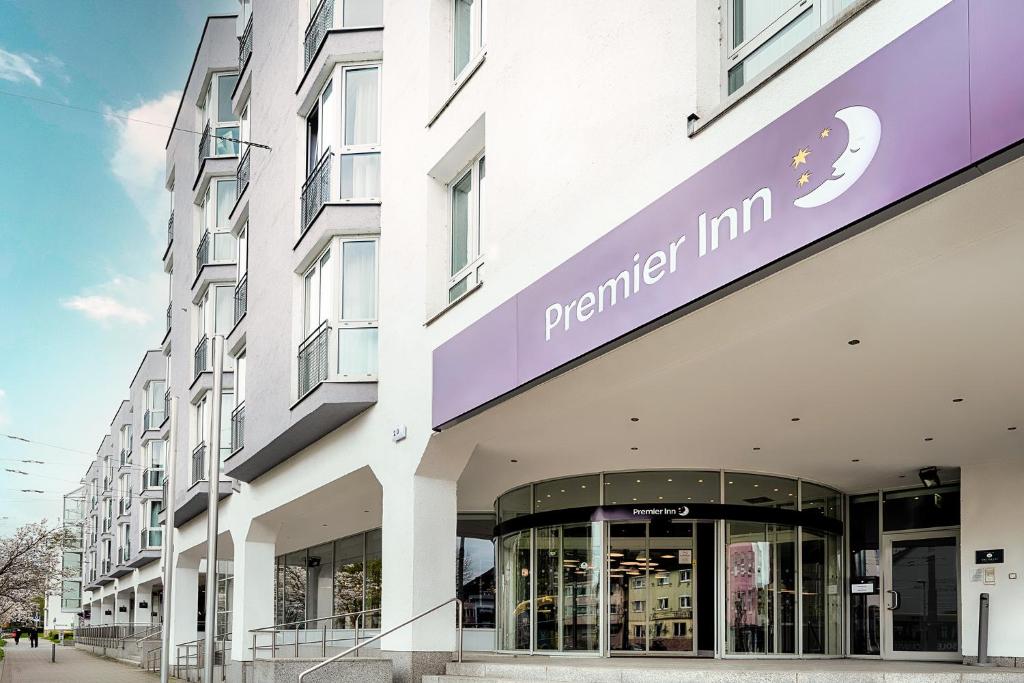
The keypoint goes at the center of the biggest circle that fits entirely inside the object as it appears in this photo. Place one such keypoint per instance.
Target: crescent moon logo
(684, 512)
(865, 133)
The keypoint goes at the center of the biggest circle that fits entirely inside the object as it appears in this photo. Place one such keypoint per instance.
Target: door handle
(895, 600)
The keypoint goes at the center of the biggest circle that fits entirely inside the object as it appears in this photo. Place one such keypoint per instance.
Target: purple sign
(896, 123)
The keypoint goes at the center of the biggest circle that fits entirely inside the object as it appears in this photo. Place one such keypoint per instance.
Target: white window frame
(685, 602)
(476, 170)
(477, 38)
(242, 252)
(330, 279)
(734, 54)
(240, 382)
(208, 209)
(209, 101)
(662, 604)
(679, 629)
(344, 149)
(639, 605)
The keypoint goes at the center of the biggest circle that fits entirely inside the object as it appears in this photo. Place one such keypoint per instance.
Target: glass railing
(151, 538)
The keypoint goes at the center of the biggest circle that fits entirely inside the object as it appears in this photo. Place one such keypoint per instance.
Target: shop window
(865, 572)
(319, 582)
(474, 569)
(921, 508)
(661, 486)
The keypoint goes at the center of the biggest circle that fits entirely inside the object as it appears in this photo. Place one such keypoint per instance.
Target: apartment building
(679, 332)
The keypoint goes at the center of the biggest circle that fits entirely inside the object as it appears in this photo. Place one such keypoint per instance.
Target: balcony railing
(124, 553)
(199, 463)
(107, 481)
(126, 457)
(167, 404)
(241, 297)
(152, 418)
(153, 477)
(204, 144)
(201, 355)
(170, 229)
(316, 191)
(242, 172)
(203, 251)
(151, 538)
(168, 327)
(106, 568)
(238, 428)
(125, 504)
(245, 48)
(321, 22)
(163, 496)
(313, 359)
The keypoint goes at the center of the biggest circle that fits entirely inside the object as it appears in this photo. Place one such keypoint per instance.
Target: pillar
(122, 600)
(419, 563)
(252, 597)
(107, 605)
(183, 611)
(143, 615)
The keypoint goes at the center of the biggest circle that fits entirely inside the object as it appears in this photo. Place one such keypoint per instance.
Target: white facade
(503, 150)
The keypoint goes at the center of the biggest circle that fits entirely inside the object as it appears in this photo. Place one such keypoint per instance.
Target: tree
(30, 566)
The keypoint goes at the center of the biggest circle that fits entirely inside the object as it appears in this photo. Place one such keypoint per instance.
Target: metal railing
(163, 495)
(313, 360)
(316, 191)
(201, 355)
(168, 328)
(126, 457)
(203, 251)
(170, 229)
(238, 428)
(241, 296)
(245, 47)
(153, 477)
(242, 172)
(124, 504)
(204, 144)
(194, 656)
(151, 538)
(360, 645)
(152, 418)
(111, 635)
(167, 404)
(349, 621)
(321, 22)
(124, 553)
(199, 463)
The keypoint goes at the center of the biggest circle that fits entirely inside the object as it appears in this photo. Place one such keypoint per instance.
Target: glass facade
(776, 543)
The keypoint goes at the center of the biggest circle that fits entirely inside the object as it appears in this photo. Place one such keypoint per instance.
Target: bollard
(53, 653)
(983, 631)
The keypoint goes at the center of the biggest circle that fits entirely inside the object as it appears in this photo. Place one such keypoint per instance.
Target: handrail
(278, 628)
(358, 646)
(148, 633)
(311, 621)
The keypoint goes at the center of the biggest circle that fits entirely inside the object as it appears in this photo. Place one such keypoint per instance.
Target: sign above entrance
(988, 556)
(888, 128)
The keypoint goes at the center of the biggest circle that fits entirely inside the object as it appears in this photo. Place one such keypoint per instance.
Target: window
(466, 199)
(340, 291)
(153, 478)
(201, 424)
(684, 575)
(662, 580)
(662, 603)
(154, 396)
(361, 13)
(638, 582)
(639, 631)
(679, 629)
(125, 442)
(468, 32)
(219, 115)
(684, 601)
(759, 32)
(639, 605)
(215, 227)
(240, 378)
(242, 256)
(216, 312)
(360, 149)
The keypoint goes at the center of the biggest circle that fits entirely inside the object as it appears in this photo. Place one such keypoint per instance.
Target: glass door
(651, 588)
(922, 595)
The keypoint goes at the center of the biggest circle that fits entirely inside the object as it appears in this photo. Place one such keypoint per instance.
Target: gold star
(804, 179)
(801, 157)
(825, 132)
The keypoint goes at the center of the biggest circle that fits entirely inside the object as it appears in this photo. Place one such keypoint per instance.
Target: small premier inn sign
(930, 104)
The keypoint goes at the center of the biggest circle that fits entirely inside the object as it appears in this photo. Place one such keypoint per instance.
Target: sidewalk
(27, 665)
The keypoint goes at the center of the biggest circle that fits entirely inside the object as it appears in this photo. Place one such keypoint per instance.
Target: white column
(107, 605)
(418, 562)
(123, 601)
(143, 594)
(252, 598)
(184, 610)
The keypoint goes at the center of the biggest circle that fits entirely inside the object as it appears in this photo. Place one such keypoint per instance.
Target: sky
(83, 224)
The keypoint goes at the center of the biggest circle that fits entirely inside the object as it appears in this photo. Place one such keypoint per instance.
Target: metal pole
(213, 500)
(168, 543)
(983, 631)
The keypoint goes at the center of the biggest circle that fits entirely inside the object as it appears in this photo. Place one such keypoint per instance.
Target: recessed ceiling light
(323, 525)
(513, 460)
(958, 400)
(563, 490)
(756, 485)
(670, 479)
(661, 497)
(1011, 429)
(929, 438)
(794, 419)
(730, 482)
(700, 481)
(757, 448)
(776, 490)
(638, 481)
(853, 342)
(583, 486)
(855, 460)
(903, 476)
(365, 510)
(634, 419)
(633, 448)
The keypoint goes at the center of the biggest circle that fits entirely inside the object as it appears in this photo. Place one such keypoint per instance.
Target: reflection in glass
(760, 490)
(924, 574)
(865, 563)
(360, 176)
(294, 585)
(515, 503)
(348, 579)
(548, 567)
(821, 500)
(627, 586)
(760, 588)
(581, 585)
(319, 581)
(571, 492)
(474, 569)
(515, 591)
(670, 581)
(821, 556)
(661, 486)
(921, 508)
(373, 577)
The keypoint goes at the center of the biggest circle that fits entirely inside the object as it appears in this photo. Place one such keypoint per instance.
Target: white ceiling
(936, 297)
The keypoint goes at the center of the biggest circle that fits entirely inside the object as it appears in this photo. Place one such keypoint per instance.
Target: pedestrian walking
(17, 636)
(33, 636)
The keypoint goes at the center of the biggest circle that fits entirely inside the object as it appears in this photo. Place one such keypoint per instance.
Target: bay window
(154, 397)
(152, 534)
(214, 315)
(153, 475)
(342, 158)
(468, 33)
(219, 118)
(328, 15)
(216, 243)
(339, 314)
(757, 33)
(466, 202)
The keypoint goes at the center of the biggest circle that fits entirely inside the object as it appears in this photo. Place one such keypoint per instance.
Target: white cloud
(18, 68)
(139, 160)
(122, 299)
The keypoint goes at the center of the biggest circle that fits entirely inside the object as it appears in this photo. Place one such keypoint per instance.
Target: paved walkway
(32, 665)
